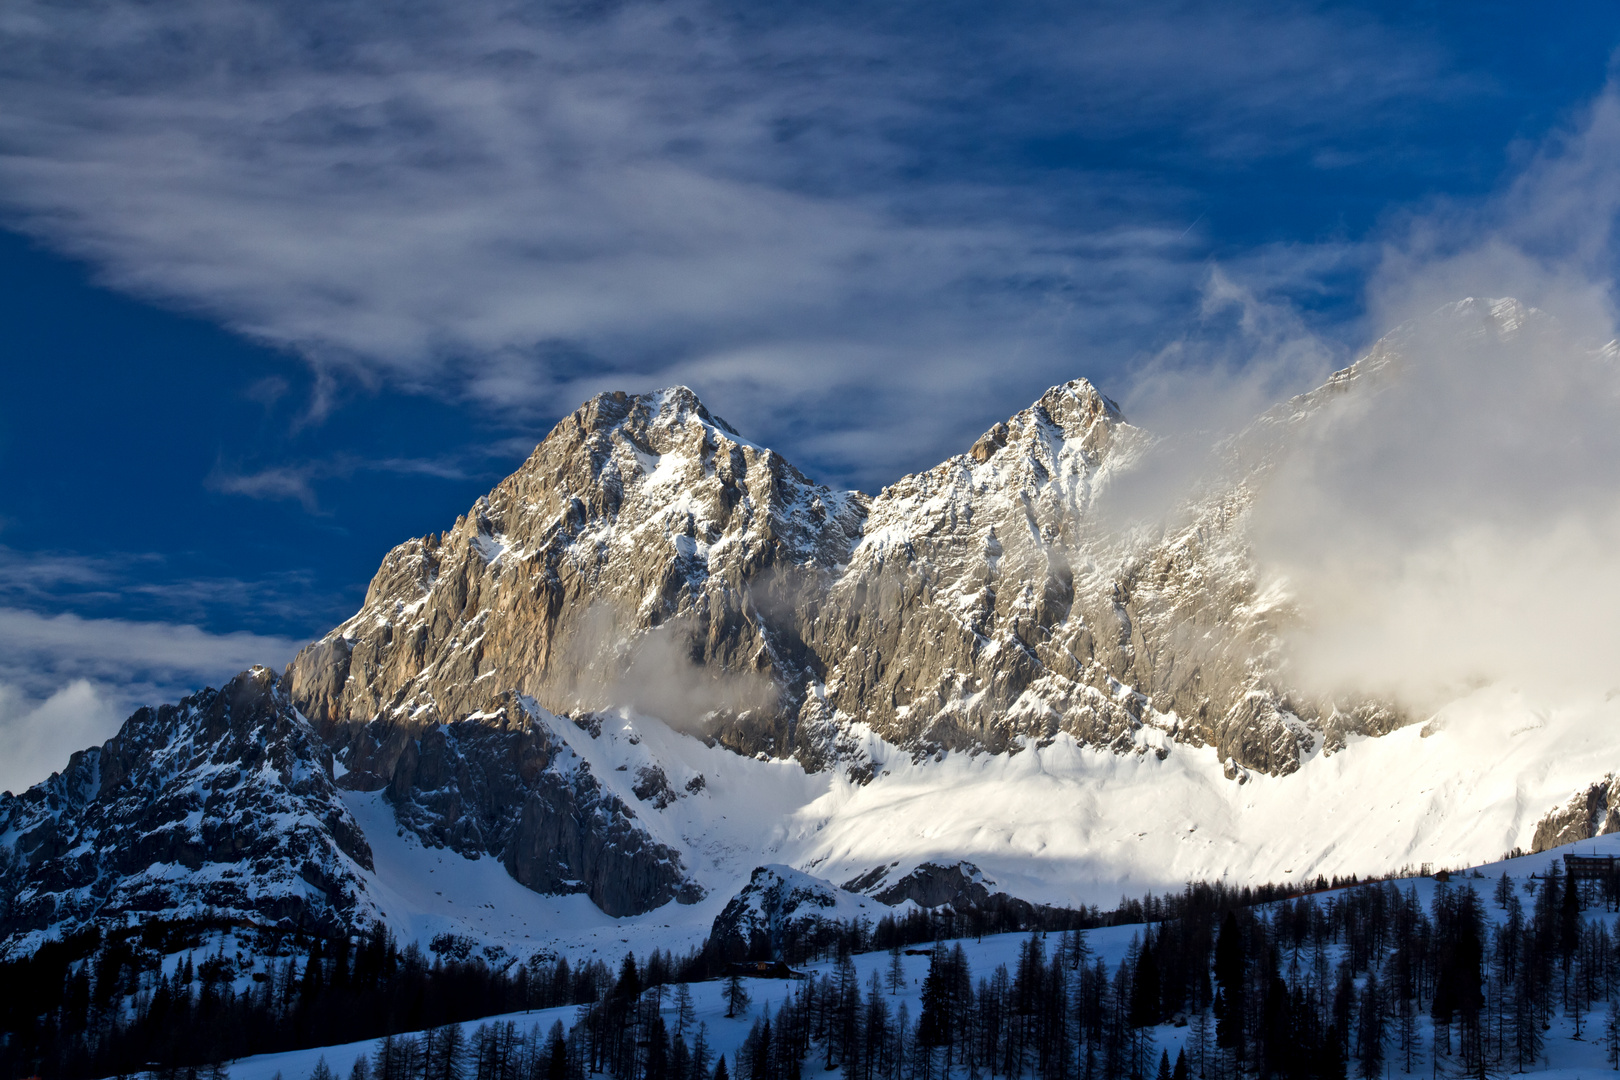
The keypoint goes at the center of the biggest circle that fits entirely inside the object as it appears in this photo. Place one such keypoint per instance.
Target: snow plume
(1454, 520)
(657, 672)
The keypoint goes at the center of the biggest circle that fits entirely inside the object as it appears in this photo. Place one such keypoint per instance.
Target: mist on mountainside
(1456, 521)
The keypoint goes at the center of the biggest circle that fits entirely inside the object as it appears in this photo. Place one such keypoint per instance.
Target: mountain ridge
(658, 655)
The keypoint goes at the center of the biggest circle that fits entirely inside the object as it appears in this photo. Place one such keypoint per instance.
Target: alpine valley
(659, 685)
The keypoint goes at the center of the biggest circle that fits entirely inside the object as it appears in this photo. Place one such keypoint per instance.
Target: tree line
(1293, 988)
(96, 1006)
(1359, 983)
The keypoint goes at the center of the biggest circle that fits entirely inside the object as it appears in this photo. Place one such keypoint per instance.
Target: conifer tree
(628, 985)
(556, 1053)
(1145, 989)
(701, 1052)
(1611, 1033)
(1370, 1037)
(685, 1011)
(736, 995)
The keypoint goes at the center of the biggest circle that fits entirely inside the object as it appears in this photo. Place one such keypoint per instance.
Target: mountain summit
(961, 608)
(657, 656)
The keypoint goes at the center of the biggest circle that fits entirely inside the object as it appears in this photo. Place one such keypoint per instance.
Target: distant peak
(1084, 392)
(1502, 316)
(1073, 406)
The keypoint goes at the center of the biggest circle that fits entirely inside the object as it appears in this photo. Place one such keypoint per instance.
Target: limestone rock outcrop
(497, 782)
(647, 549)
(1588, 813)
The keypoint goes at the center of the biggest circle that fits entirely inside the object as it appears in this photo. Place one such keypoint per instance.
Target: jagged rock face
(928, 885)
(633, 514)
(497, 782)
(961, 608)
(221, 804)
(958, 619)
(972, 606)
(1589, 813)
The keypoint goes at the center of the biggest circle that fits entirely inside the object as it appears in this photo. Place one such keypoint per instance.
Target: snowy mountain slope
(970, 667)
(1059, 824)
(220, 809)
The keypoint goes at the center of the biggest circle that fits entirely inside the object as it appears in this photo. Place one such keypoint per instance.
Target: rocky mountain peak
(1075, 410)
(965, 606)
(646, 555)
(673, 409)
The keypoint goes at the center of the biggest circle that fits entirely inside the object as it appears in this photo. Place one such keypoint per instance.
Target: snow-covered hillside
(1060, 824)
(1565, 1056)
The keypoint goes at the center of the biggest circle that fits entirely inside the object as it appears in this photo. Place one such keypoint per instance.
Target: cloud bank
(1455, 521)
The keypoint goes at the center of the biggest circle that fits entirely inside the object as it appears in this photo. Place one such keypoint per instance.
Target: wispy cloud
(297, 482)
(172, 589)
(513, 206)
(280, 482)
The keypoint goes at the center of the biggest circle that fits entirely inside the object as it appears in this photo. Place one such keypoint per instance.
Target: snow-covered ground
(1566, 1057)
(1061, 823)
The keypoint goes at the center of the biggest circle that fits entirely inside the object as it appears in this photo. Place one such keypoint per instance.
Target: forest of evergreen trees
(1309, 987)
(1304, 988)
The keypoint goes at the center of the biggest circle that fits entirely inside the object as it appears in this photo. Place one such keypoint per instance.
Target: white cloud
(1460, 524)
(512, 204)
(40, 735)
(296, 482)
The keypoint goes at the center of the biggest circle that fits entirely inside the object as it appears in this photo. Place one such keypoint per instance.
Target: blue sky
(284, 284)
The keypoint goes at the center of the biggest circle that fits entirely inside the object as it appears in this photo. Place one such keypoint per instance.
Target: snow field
(1060, 824)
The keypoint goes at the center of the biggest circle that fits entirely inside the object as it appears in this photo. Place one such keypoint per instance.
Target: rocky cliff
(1588, 813)
(648, 553)
(959, 609)
(221, 808)
(500, 782)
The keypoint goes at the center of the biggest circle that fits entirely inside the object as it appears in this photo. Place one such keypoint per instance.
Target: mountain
(220, 808)
(657, 657)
